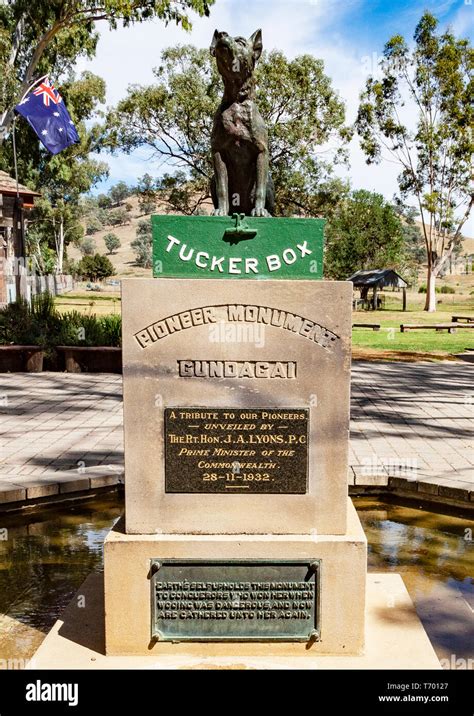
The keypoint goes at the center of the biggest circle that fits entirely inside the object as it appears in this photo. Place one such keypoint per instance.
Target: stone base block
(395, 639)
(342, 588)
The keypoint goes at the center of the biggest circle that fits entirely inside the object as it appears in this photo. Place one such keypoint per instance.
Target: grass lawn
(89, 302)
(387, 343)
(389, 338)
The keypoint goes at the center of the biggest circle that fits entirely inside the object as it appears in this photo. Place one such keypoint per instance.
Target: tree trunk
(430, 303)
(59, 268)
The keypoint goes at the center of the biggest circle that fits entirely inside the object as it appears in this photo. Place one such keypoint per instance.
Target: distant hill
(467, 242)
(124, 259)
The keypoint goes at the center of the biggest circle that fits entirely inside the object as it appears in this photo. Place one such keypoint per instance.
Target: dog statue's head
(236, 56)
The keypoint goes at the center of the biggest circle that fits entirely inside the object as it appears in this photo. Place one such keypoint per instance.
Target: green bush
(112, 242)
(36, 324)
(142, 245)
(112, 329)
(93, 225)
(41, 325)
(87, 246)
(442, 289)
(15, 323)
(95, 268)
(118, 217)
(78, 329)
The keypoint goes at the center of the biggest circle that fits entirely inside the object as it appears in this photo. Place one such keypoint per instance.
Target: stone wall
(55, 284)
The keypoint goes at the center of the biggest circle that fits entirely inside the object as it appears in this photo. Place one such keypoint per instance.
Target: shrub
(87, 247)
(71, 266)
(117, 217)
(442, 289)
(78, 329)
(142, 244)
(15, 323)
(112, 242)
(95, 268)
(104, 201)
(112, 329)
(147, 203)
(36, 324)
(93, 225)
(41, 325)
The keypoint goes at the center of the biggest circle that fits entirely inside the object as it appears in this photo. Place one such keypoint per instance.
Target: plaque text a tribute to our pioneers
(235, 450)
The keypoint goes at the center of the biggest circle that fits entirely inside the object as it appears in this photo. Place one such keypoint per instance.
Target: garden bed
(16, 359)
(91, 359)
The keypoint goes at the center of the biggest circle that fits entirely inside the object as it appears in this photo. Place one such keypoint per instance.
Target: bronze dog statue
(239, 140)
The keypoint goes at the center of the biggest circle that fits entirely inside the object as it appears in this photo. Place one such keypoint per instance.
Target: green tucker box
(237, 246)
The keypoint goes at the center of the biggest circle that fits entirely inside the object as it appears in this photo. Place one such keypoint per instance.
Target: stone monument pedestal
(341, 599)
(239, 547)
(394, 639)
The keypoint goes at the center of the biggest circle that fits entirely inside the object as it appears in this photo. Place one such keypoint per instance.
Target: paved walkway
(55, 428)
(412, 428)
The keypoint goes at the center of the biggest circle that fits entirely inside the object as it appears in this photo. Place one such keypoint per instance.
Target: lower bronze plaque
(248, 600)
(236, 450)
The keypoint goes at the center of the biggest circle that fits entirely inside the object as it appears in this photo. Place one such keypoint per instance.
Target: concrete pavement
(411, 431)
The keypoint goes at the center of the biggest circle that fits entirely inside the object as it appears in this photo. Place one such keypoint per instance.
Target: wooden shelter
(377, 280)
(14, 203)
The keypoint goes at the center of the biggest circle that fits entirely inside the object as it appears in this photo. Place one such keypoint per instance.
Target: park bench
(373, 326)
(93, 359)
(450, 327)
(462, 319)
(21, 358)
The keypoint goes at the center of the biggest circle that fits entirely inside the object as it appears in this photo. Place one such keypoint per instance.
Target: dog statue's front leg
(261, 185)
(222, 185)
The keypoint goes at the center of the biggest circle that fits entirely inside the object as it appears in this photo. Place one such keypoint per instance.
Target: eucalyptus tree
(435, 155)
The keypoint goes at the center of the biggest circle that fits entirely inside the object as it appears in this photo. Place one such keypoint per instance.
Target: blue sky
(348, 35)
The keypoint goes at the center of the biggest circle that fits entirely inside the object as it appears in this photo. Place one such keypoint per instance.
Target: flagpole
(19, 225)
(27, 91)
(15, 163)
(36, 82)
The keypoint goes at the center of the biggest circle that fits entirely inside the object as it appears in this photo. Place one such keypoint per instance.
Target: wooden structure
(450, 327)
(377, 280)
(372, 326)
(93, 359)
(14, 203)
(462, 319)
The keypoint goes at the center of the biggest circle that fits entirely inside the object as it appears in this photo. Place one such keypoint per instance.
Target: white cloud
(463, 21)
(127, 56)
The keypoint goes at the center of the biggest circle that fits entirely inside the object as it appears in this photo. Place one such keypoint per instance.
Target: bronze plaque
(235, 600)
(236, 450)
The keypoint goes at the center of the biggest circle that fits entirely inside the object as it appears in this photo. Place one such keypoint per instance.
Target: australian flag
(44, 109)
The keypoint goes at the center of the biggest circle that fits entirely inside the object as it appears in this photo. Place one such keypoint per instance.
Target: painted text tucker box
(237, 248)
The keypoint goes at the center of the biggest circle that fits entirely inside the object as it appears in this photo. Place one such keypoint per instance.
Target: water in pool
(46, 556)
